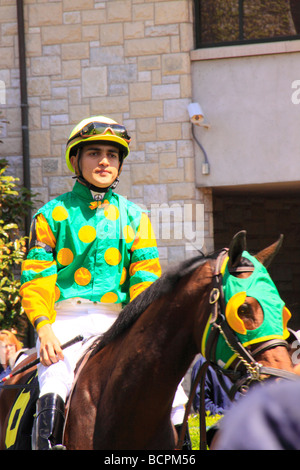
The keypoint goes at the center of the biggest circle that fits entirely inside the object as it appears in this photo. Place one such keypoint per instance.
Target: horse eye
(244, 310)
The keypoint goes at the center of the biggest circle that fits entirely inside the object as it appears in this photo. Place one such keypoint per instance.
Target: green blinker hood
(260, 286)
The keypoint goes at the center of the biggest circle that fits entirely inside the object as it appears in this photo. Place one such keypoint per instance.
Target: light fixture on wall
(197, 119)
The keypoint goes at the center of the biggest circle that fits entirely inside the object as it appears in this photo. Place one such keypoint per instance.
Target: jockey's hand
(50, 350)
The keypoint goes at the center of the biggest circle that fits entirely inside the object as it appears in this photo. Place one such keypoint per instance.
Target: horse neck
(168, 334)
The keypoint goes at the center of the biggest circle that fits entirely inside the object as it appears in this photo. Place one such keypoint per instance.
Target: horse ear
(266, 256)
(236, 248)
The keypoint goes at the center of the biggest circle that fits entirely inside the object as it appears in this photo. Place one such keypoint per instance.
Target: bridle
(246, 370)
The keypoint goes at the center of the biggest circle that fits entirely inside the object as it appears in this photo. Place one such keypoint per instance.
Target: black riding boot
(49, 423)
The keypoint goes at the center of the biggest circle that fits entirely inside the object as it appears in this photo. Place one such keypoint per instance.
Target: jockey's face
(99, 163)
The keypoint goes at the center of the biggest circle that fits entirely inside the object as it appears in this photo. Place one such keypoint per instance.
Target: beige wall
(129, 59)
(250, 95)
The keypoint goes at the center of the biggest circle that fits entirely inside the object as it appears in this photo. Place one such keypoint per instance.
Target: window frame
(240, 41)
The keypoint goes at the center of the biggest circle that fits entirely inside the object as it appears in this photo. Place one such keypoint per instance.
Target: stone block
(7, 57)
(111, 55)
(163, 30)
(122, 73)
(147, 173)
(143, 109)
(7, 13)
(169, 131)
(171, 175)
(176, 110)
(109, 105)
(171, 12)
(39, 86)
(50, 166)
(54, 106)
(111, 34)
(176, 64)
(152, 62)
(147, 46)
(146, 129)
(142, 12)
(71, 17)
(45, 14)
(186, 37)
(78, 112)
(69, 52)
(74, 94)
(45, 66)
(134, 30)
(119, 11)
(94, 82)
(140, 91)
(167, 160)
(185, 148)
(90, 17)
(71, 69)
(181, 191)
(39, 143)
(164, 92)
(155, 194)
(90, 33)
(73, 5)
(10, 146)
(36, 175)
(61, 34)
(33, 45)
(60, 184)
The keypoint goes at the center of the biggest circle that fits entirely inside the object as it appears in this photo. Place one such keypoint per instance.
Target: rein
(253, 371)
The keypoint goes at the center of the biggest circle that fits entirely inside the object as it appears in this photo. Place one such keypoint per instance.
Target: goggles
(101, 128)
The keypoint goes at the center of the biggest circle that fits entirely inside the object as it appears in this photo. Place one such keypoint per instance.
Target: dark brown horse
(124, 392)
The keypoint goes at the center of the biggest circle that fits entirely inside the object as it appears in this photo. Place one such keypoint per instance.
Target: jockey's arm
(145, 267)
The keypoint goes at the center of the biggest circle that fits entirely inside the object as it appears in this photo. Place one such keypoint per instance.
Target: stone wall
(128, 59)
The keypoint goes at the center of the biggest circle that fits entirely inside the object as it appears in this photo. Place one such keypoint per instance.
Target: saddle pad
(20, 422)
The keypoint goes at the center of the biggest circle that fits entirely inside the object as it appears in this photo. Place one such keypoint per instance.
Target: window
(227, 22)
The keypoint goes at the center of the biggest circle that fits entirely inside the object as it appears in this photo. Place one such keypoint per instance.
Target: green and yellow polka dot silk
(102, 251)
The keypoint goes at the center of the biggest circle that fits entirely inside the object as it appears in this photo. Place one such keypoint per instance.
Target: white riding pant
(82, 317)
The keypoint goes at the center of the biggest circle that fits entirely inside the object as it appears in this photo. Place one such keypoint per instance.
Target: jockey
(91, 251)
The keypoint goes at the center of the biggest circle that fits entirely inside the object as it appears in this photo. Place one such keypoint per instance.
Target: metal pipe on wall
(24, 105)
(25, 128)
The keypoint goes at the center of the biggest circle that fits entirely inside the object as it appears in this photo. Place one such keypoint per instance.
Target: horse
(124, 389)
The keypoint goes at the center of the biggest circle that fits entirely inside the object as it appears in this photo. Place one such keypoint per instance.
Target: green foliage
(193, 422)
(14, 205)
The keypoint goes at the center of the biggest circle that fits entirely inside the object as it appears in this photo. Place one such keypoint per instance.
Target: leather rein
(246, 370)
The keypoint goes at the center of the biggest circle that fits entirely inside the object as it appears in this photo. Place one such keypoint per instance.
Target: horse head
(249, 327)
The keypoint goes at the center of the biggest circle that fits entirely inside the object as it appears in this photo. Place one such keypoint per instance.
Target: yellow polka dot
(128, 233)
(59, 213)
(65, 256)
(82, 276)
(87, 234)
(112, 256)
(109, 298)
(57, 293)
(123, 277)
(111, 212)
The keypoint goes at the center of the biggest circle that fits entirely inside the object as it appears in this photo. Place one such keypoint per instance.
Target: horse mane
(133, 310)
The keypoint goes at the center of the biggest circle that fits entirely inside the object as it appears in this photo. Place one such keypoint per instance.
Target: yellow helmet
(97, 128)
